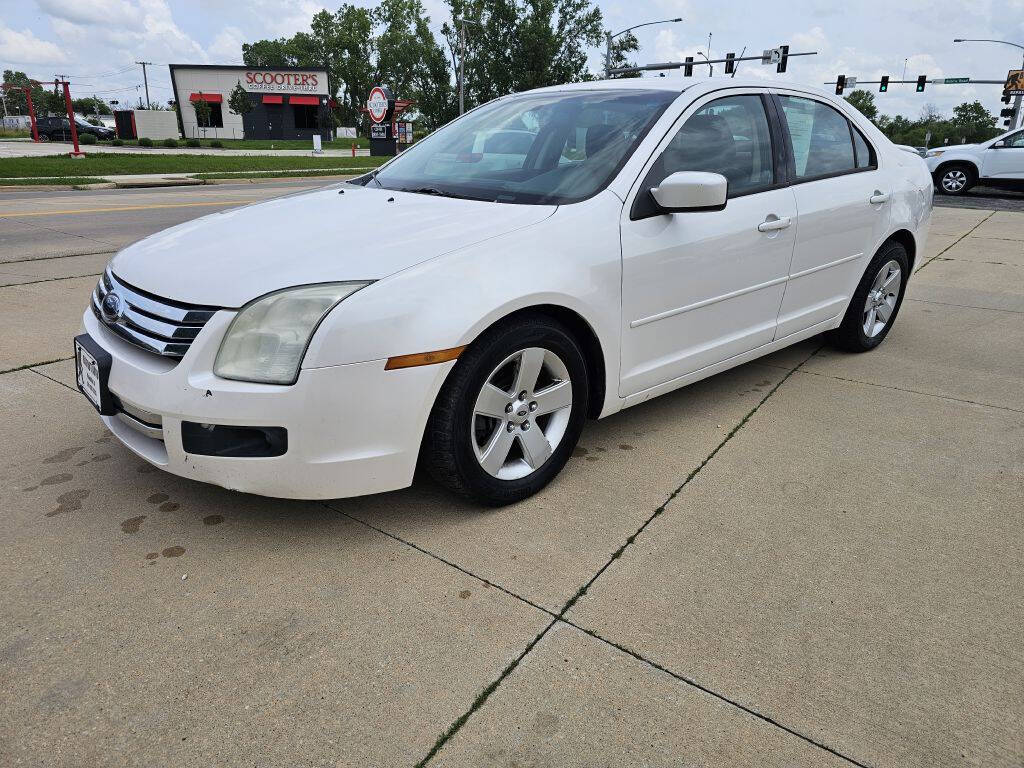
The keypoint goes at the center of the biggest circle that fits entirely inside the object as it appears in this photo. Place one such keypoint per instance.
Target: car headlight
(268, 337)
(935, 152)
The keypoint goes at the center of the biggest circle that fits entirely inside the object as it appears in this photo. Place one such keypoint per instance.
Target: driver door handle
(878, 198)
(772, 224)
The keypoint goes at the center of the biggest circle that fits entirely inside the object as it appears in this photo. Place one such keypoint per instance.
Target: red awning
(312, 100)
(211, 98)
(272, 98)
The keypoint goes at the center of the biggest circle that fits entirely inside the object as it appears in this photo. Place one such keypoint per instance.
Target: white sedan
(471, 315)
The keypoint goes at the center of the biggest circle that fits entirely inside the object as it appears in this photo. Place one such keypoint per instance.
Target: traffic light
(840, 84)
(1008, 112)
(730, 63)
(688, 67)
(921, 80)
(884, 85)
(781, 67)
(1006, 97)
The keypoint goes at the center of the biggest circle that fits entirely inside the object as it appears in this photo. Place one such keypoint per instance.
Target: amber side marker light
(423, 358)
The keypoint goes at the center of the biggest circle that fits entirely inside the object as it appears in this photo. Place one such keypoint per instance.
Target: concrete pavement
(23, 148)
(809, 560)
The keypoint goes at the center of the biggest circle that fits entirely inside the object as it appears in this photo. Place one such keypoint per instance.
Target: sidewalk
(26, 148)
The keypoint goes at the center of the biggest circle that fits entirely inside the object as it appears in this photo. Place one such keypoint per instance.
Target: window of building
(820, 137)
(215, 120)
(305, 117)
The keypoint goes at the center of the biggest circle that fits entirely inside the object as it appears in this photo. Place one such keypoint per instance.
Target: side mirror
(999, 144)
(691, 191)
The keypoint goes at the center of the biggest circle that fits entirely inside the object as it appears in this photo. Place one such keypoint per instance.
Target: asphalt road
(986, 199)
(812, 560)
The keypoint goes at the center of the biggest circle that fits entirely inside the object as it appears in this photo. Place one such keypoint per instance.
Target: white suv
(998, 162)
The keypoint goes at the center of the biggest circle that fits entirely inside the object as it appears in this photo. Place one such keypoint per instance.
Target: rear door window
(820, 138)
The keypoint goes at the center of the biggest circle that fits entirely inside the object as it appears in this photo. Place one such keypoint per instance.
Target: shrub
(194, 143)
(117, 142)
(87, 138)
(217, 144)
(170, 143)
(145, 141)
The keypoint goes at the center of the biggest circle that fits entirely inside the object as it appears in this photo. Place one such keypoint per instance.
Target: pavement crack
(55, 381)
(482, 697)
(964, 235)
(721, 697)
(965, 306)
(47, 280)
(33, 365)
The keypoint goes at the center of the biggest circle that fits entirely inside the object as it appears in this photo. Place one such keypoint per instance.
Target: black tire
(955, 179)
(447, 453)
(850, 335)
(44, 137)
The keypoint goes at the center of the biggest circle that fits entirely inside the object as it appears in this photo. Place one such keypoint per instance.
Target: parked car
(472, 316)
(998, 162)
(59, 129)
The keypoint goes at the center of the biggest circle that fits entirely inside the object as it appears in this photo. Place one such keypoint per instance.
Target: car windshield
(549, 148)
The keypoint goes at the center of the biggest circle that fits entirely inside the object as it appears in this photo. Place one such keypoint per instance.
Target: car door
(1004, 159)
(699, 287)
(842, 200)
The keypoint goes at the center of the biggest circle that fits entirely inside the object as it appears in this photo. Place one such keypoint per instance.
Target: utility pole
(144, 80)
(1017, 102)
(462, 61)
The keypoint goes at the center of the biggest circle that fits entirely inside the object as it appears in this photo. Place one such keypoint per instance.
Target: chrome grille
(158, 325)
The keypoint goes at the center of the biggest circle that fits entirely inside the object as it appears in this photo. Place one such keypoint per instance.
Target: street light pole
(608, 37)
(462, 61)
(1017, 121)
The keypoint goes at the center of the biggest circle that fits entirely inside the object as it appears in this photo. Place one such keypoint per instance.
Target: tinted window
(728, 136)
(1016, 140)
(547, 148)
(820, 138)
(863, 149)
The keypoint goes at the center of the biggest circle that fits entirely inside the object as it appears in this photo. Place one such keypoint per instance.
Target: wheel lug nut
(533, 406)
(522, 395)
(509, 408)
(526, 425)
(511, 427)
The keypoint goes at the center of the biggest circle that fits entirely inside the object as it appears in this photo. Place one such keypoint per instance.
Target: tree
(522, 45)
(91, 105)
(17, 104)
(239, 101)
(864, 101)
(203, 110)
(974, 121)
(622, 46)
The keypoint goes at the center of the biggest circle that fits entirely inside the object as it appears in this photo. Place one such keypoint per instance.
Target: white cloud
(105, 12)
(25, 48)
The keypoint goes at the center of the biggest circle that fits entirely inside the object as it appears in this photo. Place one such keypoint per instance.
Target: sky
(96, 42)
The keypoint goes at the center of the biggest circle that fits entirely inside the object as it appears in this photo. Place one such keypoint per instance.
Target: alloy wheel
(521, 413)
(954, 180)
(881, 298)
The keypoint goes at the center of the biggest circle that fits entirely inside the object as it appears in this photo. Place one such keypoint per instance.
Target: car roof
(681, 84)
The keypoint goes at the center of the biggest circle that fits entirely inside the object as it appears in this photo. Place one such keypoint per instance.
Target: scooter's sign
(377, 104)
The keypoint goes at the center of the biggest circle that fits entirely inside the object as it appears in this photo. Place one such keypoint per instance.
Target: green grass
(104, 164)
(64, 181)
(282, 174)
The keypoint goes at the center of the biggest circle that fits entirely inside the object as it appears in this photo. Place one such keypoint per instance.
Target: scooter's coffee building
(286, 103)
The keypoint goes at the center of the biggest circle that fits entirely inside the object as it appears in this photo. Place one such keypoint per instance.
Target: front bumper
(352, 429)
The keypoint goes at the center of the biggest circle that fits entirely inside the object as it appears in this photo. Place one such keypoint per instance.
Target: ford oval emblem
(112, 307)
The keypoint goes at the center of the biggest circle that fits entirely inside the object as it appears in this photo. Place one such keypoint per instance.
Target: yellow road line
(21, 214)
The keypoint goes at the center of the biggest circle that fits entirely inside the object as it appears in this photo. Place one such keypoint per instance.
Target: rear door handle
(878, 198)
(772, 224)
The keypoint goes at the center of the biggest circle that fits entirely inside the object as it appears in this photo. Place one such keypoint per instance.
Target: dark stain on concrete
(464, 594)
(157, 498)
(62, 456)
(145, 469)
(169, 506)
(131, 525)
(173, 552)
(101, 457)
(69, 502)
(152, 555)
(626, 447)
(63, 477)
(213, 519)
(579, 450)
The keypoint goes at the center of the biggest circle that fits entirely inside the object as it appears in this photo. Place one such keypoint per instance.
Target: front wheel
(955, 179)
(876, 301)
(44, 137)
(510, 413)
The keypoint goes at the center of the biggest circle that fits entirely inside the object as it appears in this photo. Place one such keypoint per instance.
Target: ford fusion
(549, 257)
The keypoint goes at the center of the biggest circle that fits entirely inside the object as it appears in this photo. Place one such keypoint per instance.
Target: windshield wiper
(438, 192)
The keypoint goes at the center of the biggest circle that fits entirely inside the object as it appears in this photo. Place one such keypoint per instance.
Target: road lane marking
(67, 212)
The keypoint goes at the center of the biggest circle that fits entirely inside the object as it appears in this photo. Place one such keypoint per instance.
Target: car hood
(951, 147)
(229, 258)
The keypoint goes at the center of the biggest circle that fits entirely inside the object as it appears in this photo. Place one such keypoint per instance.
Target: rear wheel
(510, 413)
(876, 302)
(44, 137)
(955, 179)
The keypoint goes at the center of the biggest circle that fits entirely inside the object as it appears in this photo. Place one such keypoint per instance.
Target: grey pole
(609, 37)
(462, 68)
(146, 81)
(1017, 121)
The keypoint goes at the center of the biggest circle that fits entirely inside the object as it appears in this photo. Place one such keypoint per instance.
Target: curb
(145, 184)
